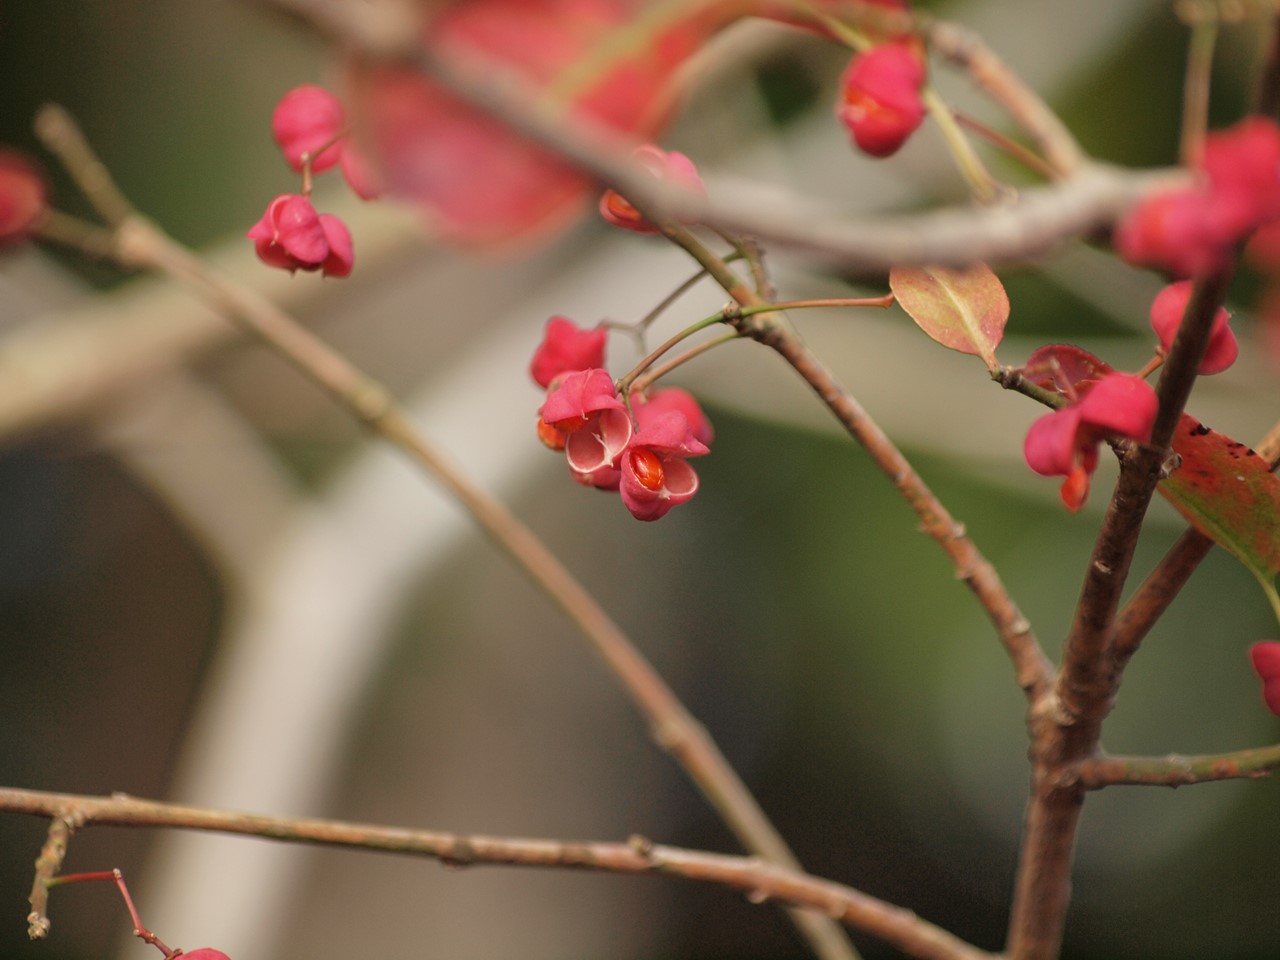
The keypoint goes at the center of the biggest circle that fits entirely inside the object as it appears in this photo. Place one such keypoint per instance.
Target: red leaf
(484, 182)
(1228, 493)
(965, 310)
(1064, 368)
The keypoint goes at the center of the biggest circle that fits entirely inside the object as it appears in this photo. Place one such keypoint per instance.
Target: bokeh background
(215, 590)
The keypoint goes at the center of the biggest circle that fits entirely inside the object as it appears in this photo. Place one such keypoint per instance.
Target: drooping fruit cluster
(639, 447)
(310, 127)
(1192, 230)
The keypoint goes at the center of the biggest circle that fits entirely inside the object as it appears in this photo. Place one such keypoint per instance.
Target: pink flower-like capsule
(648, 408)
(1242, 163)
(360, 175)
(23, 194)
(566, 347)
(880, 100)
(1065, 443)
(292, 236)
(1265, 657)
(1192, 230)
(309, 118)
(1175, 230)
(584, 409)
(1167, 310)
(205, 953)
(671, 167)
(655, 476)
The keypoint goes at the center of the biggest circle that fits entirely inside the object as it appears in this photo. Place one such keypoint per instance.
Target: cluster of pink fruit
(310, 126)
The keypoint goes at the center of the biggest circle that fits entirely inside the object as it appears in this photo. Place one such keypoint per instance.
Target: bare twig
(47, 866)
(1178, 771)
(1032, 668)
(1052, 137)
(760, 881)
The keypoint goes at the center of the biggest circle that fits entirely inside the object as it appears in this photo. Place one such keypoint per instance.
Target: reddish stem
(139, 929)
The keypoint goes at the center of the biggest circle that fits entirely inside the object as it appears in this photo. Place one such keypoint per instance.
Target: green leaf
(1228, 493)
(964, 310)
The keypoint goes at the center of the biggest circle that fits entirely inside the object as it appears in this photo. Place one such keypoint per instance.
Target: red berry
(1265, 657)
(22, 197)
(880, 98)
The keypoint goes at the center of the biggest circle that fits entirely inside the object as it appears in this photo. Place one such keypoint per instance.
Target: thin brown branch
(1154, 595)
(1267, 96)
(1195, 93)
(1067, 724)
(1032, 668)
(1022, 154)
(1177, 771)
(1052, 137)
(760, 881)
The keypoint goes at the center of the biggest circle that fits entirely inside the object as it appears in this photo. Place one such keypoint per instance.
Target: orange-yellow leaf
(965, 310)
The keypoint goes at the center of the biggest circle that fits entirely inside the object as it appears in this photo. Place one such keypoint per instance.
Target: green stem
(624, 384)
(643, 383)
(1022, 154)
(1195, 91)
(884, 301)
(1269, 588)
(985, 187)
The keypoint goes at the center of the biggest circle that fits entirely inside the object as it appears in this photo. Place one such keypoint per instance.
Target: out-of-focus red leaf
(965, 310)
(484, 183)
(1064, 368)
(1228, 493)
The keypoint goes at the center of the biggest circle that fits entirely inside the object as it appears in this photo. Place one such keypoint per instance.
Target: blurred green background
(824, 642)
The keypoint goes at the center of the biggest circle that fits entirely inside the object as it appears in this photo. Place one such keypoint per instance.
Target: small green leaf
(965, 310)
(1228, 493)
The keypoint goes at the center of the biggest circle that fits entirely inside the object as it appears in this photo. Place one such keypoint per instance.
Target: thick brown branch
(1066, 726)
(760, 881)
(1090, 197)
